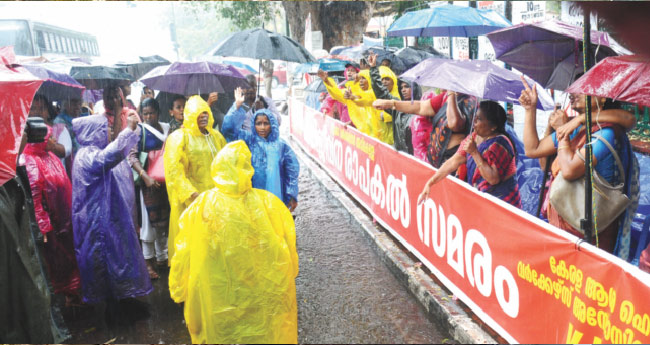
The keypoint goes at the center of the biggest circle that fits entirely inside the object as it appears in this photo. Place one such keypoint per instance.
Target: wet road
(345, 293)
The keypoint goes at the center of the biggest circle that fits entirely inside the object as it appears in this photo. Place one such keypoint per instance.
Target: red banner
(526, 279)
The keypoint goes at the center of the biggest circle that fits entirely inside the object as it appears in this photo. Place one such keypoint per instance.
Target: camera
(36, 130)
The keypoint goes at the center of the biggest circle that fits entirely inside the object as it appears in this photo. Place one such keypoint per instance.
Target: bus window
(52, 42)
(16, 33)
(41, 40)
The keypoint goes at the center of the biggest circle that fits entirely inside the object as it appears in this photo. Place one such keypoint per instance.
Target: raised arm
(422, 108)
(455, 119)
(232, 122)
(119, 148)
(534, 148)
(620, 117)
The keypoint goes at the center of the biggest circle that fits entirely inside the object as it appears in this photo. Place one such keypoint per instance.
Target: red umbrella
(17, 89)
(624, 78)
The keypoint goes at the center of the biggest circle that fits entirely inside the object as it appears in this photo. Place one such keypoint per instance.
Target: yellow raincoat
(187, 158)
(380, 121)
(236, 261)
(369, 120)
(358, 115)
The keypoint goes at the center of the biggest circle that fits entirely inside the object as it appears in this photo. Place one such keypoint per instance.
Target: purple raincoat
(107, 247)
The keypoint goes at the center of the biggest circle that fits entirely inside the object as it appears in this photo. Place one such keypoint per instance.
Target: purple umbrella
(192, 78)
(478, 78)
(550, 52)
(56, 86)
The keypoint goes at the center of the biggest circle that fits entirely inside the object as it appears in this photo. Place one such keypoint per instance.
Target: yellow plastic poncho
(187, 158)
(380, 121)
(369, 120)
(236, 261)
(359, 116)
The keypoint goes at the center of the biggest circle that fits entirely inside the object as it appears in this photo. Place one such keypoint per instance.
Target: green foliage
(245, 14)
(198, 28)
(406, 6)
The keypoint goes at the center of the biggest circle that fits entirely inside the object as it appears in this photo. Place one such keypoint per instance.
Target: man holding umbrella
(250, 100)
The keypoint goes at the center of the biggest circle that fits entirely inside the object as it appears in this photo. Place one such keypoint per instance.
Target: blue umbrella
(448, 20)
(478, 78)
(56, 86)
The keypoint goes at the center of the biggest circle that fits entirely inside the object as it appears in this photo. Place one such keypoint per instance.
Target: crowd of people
(460, 136)
(120, 195)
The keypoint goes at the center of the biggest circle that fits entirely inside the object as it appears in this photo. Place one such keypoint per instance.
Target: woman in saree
(486, 158)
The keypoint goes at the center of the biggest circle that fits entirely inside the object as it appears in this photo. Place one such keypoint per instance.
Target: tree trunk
(342, 23)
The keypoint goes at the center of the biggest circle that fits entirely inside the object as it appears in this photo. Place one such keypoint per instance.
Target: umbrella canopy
(17, 89)
(478, 78)
(99, 77)
(241, 65)
(327, 65)
(624, 78)
(412, 56)
(352, 53)
(192, 78)
(145, 64)
(449, 21)
(260, 43)
(56, 86)
(550, 52)
(386, 53)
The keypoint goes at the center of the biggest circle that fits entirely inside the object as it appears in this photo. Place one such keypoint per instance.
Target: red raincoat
(52, 194)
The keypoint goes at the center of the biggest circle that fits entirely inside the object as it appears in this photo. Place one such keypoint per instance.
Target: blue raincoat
(107, 247)
(275, 163)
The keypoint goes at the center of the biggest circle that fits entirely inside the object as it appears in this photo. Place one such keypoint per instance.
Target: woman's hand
(322, 75)
(528, 98)
(382, 104)
(239, 97)
(292, 204)
(212, 98)
(566, 129)
(132, 121)
(470, 145)
(372, 60)
(347, 94)
(193, 197)
(51, 144)
(424, 194)
(148, 181)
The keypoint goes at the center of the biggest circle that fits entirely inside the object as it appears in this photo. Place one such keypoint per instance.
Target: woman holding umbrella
(569, 145)
(189, 152)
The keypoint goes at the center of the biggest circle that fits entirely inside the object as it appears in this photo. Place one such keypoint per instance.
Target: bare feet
(152, 273)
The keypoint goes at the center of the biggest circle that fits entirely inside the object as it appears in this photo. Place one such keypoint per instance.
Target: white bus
(31, 38)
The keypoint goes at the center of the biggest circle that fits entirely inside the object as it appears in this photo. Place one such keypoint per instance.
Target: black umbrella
(99, 77)
(143, 65)
(412, 56)
(385, 53)
(262, 44)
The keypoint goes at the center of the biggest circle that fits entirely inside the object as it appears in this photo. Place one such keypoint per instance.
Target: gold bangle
(141, 171)
(562, 147)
